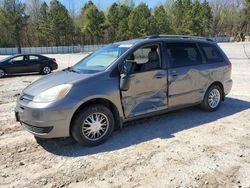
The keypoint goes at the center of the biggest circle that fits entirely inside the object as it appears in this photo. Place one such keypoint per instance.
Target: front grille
(37, 130)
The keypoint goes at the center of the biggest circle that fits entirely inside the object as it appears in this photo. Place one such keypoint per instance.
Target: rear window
(211, 53)
(183, 54)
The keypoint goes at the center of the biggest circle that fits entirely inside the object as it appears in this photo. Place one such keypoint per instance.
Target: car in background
(27, 63)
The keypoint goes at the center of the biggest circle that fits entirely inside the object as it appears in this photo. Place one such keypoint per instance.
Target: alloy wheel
(46, 70)
(214, 98)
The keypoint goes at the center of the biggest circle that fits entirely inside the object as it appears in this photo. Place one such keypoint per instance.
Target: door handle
(160, 76)
(174, 73)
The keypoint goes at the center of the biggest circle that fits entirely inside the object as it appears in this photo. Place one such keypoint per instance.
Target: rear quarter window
(211, 53)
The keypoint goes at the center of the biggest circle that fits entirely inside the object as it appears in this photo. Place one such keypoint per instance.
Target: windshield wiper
(70, 69)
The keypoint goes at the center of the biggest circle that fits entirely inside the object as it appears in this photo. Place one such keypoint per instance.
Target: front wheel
(212, 99)
(2, 73)
(93, 125)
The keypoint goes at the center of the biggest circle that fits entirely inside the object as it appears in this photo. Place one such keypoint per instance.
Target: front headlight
(53, 94)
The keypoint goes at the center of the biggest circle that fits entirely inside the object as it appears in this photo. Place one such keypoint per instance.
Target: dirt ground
(186, 148)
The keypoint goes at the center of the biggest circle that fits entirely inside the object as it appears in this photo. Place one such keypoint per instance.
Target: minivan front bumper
(45, 120)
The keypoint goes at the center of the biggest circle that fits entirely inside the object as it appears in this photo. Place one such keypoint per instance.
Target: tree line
(36, 23)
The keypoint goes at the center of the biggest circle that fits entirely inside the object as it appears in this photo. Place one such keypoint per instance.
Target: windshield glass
(6, 58)
(102, 58)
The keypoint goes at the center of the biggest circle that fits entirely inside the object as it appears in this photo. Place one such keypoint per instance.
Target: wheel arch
(218, 83)
(47, 65)
(5, 72)
(107, 103)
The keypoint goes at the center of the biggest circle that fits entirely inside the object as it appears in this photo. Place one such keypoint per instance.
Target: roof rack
(177, 37)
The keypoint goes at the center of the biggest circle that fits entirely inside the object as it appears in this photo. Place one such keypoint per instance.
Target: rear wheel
(93, 125)
(2, 73)
(46, 70)
(212, 99)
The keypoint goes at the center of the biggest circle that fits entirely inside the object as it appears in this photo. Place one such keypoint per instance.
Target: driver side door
(16, 65)
(146, 89)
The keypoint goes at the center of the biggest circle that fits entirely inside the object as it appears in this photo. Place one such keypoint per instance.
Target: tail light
(229, 64)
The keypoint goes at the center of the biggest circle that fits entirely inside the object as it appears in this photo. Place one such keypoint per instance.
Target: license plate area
(17, 116)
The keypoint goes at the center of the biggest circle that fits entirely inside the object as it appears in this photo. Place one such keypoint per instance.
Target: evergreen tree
(32, 33)
(178, 17)
(44, 25)
(161, 21)
(194, 24)
(207, 18)
(61, 24)
(15, 20)
(113, 20)
(123, 28)
(53, 25)
(92, 23)
(139, 21)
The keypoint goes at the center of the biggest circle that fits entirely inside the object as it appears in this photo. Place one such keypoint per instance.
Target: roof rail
(178, 37)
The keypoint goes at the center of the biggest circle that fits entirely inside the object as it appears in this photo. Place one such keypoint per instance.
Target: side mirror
(125, 82)
(127, 69)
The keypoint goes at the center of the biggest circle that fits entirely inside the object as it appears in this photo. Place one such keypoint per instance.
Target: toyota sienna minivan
(125, 81)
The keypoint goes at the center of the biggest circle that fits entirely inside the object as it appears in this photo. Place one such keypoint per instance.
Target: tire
(46, 70)
(212, 99)
(2, 73)
(88, 135)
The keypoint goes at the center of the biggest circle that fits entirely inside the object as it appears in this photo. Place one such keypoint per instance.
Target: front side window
(102, 58)
(16, 59)
(144, 59)
(183, 54)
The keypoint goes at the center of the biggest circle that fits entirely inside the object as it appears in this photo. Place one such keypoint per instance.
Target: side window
(211, 53)
(33, 57)
(144, 59)
(17, 59)
(183, 54)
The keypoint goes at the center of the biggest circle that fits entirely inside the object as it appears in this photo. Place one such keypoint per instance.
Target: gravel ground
(185, 148)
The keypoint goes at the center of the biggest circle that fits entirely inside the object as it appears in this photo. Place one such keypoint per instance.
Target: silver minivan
(125, 81)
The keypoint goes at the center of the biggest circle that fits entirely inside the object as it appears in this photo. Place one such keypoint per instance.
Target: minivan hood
(55, 79)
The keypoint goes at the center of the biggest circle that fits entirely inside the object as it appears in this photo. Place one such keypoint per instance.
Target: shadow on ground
(163, 127)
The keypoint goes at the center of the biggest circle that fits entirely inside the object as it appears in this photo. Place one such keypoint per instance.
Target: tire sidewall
(76, 129)
(206, 105)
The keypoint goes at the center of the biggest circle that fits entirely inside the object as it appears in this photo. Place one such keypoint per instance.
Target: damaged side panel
(147, 93)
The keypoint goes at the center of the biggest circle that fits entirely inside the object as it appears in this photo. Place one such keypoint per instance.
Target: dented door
(147, 93)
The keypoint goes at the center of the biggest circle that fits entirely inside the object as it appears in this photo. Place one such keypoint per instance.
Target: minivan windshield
(101, 59)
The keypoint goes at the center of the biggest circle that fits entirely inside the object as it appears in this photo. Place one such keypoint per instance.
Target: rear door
(186, 74)
(34, 64)
(148, 83)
